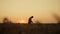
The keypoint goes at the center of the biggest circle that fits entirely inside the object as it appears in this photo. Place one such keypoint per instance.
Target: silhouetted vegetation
(8, 27)
(15, 28)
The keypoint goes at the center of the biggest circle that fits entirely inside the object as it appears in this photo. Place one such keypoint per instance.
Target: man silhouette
(30, 20)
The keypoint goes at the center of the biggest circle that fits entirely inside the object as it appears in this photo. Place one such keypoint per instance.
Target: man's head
(31, 16)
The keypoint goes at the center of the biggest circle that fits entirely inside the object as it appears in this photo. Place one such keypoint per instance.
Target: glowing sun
(22, 21)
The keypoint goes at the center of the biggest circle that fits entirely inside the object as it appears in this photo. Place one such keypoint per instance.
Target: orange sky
(23, 9)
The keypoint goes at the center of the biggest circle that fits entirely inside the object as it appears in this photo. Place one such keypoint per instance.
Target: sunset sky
(21, 10)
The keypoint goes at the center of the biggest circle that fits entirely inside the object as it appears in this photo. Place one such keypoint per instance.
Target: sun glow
(22, 21)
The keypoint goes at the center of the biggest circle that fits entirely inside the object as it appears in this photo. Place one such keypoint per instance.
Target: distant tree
(5, 20)
(56, 17)
(37, 21)
(30, 20)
